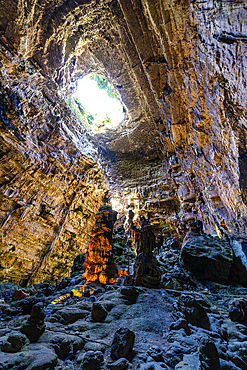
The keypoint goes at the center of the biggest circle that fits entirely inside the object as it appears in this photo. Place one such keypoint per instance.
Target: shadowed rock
(35, 326)
(93, 361)
(207, 257)
(122, 344)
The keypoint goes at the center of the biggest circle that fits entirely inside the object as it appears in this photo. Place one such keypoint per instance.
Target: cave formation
(179, 69)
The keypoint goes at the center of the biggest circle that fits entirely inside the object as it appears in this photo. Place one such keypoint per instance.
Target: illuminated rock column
(98, 263)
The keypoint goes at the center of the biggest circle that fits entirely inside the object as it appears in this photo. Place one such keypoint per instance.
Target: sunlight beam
(98, 103)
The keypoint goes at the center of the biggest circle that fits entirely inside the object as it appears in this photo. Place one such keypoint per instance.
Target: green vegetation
(103, 84)
(87, 118)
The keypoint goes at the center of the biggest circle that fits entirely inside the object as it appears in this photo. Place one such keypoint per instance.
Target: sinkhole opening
(96, 103)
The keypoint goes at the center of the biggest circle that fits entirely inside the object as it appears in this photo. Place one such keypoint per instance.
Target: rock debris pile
(183, 324)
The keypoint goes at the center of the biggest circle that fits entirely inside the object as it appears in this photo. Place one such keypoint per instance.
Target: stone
(122, 343)
(7, 290)
(189, 362)
(99, 313)
(195, 314)
(15, 361)
(238, 310)
(38, 312)
(34, 327)
(69, 315)
(64, 283)
(92, 361)
(239, 265)
(14, 342)
(228, 365)
(40, 357)
(62, 365)
(20, 294)
(179, 344)
(151, 366)
(63, 344)
(180, 324)
(34, 357)
(129, 294)
(120, 364)
(25, 305)
(207, 257)
(237, 353)
(91, 346)
(208, 354)
(8, 310)
(156, 353)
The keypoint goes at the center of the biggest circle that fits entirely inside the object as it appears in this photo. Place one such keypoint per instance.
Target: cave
(178, 158)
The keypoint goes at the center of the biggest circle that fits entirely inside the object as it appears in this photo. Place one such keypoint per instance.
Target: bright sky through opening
(97, 101)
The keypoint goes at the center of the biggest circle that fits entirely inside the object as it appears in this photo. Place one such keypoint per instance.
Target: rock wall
(50, 184)
(197, 71)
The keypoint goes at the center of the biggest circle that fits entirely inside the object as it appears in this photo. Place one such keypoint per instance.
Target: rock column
(98, 262)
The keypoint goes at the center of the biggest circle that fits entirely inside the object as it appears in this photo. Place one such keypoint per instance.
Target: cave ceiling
(71, 39)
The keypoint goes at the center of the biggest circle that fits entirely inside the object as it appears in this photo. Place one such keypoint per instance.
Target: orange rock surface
(98, 264)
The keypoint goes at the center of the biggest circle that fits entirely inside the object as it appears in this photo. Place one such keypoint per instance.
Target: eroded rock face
(50, 184)
(191, 66)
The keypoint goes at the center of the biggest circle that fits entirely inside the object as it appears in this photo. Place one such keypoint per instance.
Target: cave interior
(178, 159)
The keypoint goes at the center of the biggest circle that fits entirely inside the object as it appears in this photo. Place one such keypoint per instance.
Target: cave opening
(96, 102)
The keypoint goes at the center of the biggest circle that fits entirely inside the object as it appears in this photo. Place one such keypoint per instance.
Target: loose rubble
(182, 324)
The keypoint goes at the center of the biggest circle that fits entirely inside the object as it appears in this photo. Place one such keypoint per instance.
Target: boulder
(91, 346)
(13, 361)
(156, 353)
(151, 365)
(238, 272)
(40, 357)
(14, 342)
(122, 343)
(69, 315)
(63, 344)
(120, 364)
(34, 357)
(92, 361)
(208, 354)
(180, 324)
(20, 294)
(25, 305)
(7, 290)
(98, 313)
(189, 362)
(34, 327)
(227, 365)
(238, 310)
(237, 353)
(129, 294)
(194, 312)
(207, 257)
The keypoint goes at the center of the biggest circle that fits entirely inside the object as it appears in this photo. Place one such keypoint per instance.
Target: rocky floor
(184, 324)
